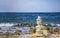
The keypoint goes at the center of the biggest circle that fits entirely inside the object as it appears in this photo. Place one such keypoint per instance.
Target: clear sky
(29, 5)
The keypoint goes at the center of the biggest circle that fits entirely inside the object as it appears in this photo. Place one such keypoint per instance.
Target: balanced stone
(40, 32)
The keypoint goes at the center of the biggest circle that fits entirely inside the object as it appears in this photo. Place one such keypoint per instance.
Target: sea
(8, 19)
(23, 17)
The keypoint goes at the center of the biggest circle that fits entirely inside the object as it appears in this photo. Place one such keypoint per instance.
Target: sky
(29, 5)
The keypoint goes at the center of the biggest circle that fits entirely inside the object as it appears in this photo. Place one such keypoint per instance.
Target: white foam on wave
(6, 24)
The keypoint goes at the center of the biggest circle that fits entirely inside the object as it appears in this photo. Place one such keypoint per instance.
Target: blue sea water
(29, 17)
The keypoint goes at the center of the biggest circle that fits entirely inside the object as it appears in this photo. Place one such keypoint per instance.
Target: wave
(6, 24)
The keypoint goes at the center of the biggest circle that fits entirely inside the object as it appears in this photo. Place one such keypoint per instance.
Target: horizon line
(29, 12)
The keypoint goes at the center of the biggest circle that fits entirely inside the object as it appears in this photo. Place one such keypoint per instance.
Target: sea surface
(22, 17)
